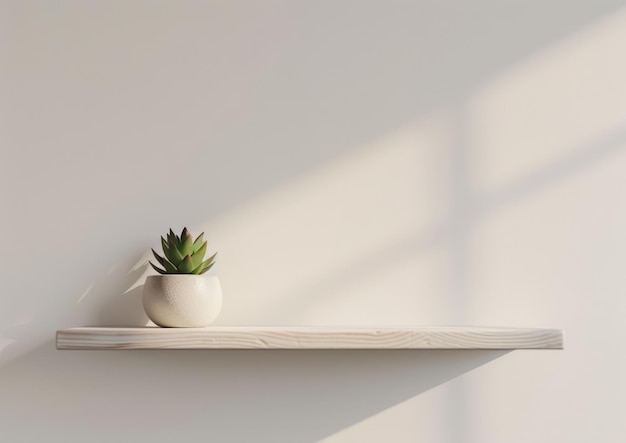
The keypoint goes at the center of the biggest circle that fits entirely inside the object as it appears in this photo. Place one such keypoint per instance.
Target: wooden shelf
(309, 337)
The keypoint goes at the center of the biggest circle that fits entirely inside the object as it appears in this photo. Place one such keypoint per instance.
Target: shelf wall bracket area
(309, 337)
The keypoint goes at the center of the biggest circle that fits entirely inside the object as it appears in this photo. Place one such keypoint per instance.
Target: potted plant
(181, 296)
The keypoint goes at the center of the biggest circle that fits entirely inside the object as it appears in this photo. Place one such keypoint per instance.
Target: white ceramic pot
(182, 300)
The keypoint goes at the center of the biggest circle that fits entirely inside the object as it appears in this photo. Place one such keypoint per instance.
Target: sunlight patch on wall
(556, 103)
(532, 258)
(546, 140)
(352, 230)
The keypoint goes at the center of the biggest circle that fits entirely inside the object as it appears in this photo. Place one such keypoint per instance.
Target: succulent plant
(183, 255)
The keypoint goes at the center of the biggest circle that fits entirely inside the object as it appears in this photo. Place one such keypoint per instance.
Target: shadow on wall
(148, 395)
(114, 298)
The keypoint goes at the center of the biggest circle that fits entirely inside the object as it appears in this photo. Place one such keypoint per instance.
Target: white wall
(353, 162)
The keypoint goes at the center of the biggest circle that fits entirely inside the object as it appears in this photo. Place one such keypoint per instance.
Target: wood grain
(309, 337)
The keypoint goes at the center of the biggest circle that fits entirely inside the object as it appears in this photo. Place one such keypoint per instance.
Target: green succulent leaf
(186, 247)
(169, 267)
(206, 268)
(197, 243)
(210, 260)
(197, 269)
(173, 255)
(164, 244)
(185, 234)
(198, 256)
(159, 270)
(173, 239)
(202, 268)
(186, 266)
(207, 264)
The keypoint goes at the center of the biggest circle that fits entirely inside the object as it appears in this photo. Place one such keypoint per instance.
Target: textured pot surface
(182, 300)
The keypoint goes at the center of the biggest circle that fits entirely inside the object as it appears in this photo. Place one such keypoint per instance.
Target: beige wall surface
(355, 163)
